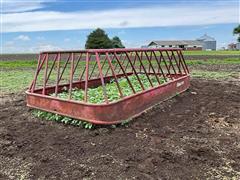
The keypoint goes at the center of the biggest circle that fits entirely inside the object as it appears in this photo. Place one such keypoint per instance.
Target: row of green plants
(95, 95)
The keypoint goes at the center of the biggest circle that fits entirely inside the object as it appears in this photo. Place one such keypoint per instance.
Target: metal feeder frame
(92, 68)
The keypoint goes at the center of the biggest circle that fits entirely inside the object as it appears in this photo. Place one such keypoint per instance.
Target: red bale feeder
(66, 71)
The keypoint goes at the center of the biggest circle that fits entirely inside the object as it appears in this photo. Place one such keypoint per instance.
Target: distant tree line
(98, 39)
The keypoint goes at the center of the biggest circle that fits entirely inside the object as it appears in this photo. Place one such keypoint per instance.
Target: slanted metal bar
(181, 63)
(164, 61)
(39, 67)
(115, 67)
(113, 73)
(119, 60)
(71, 76)
(159, 65)
(140, 82)
(86, 78)
(179, 69)
(78, 60)
(45, 76)
(102, 79)
(111, 58)
(35, 76)
(64, 67)
(140, 60)
(150, 65)
(54, 61)
(128, 62)
(140, 67)
(184, 61)
(58, 74)
(93, 69)
(171, 64)
(129, 82)
(80, 78)
(123, 64)
(149, 69)
(134, 62)
(102, 66)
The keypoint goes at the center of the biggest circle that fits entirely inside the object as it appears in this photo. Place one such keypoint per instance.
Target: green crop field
(17, 75)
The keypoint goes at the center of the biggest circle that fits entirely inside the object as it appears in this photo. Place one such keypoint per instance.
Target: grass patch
(214, 61)
(15, 80)
(18, 64)
(214, 74)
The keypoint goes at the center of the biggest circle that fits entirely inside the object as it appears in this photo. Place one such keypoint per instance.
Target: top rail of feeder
(112, 50)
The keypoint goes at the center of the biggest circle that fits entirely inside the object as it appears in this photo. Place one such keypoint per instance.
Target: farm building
(184, 44)
(205, 42)
(234, 46)
(209, 43)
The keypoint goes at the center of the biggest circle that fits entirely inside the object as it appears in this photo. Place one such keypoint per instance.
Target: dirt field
(194, 135)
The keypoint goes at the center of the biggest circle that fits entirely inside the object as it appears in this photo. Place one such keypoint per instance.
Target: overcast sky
(33, 26)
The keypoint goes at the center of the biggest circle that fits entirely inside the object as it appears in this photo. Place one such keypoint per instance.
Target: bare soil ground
(194, 135)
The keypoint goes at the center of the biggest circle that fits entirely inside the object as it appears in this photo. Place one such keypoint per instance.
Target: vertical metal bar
(86, 78)
(150, 65)
(129, 82)
(71, 76)
(45, 76)
(159, 65)
(140, 82)
(58, 73)
(170, 61)
(114, 75)
(101, 76)
(140, 60)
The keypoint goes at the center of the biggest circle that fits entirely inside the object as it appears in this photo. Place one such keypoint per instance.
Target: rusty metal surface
(172, 66)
